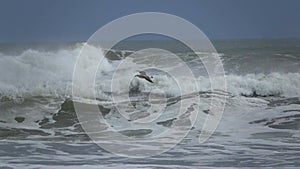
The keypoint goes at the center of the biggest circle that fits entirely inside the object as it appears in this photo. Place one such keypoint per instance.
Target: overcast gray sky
(76, 20)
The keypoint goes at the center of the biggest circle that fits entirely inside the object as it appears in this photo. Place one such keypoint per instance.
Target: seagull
(143, 75)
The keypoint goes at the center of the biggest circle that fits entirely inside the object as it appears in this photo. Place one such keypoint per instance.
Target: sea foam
(50, 73)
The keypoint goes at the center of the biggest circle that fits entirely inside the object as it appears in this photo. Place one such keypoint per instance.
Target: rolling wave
(49, 73)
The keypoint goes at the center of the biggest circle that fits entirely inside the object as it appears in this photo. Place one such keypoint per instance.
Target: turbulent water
(260, 125)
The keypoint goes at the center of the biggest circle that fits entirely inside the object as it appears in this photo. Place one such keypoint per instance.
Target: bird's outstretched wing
(143, 75)
(148, 79)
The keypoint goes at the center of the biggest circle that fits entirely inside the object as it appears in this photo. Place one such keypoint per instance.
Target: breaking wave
(49, 73)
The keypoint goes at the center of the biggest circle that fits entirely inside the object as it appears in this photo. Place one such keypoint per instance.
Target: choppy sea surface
(260, 126)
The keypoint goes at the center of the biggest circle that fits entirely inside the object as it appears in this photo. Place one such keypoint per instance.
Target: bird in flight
(143, 75)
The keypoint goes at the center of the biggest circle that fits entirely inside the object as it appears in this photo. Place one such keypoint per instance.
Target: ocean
(39, 127)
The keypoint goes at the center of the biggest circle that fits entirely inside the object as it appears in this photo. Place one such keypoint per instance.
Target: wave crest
(49, 73)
